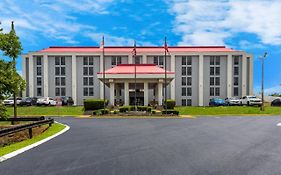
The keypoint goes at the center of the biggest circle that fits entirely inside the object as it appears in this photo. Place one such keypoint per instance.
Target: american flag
(166, 47)
(102, 42)
(134, 52)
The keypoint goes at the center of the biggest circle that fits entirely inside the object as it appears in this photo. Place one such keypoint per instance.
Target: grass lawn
(47, 110)
(55, 128)
(228, 110)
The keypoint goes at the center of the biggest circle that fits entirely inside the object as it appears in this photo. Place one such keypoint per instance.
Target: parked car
(28, 101)
(251, 101)
(65, 100)
(276, 102)
(46, 101)
(232, 101)
(217, 102)
(10, 101)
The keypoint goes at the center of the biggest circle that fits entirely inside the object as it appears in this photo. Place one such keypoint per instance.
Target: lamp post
(262, 80)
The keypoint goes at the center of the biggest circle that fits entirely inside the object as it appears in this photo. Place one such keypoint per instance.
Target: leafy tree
(10, 81)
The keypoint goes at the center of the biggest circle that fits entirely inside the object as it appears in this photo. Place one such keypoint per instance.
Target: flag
(165, 46)
(134, 52)
(102, 43)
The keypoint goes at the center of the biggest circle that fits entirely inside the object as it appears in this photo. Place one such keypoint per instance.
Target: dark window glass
(236, 70)
(212, 93)
(183, 60)
(189, 81)
(189, 70)
(91, 60)
(57, 81)
(161, 61)
(217, 70)
(38, 61)
(85, 91)
(91, 81)
(155, 60)
(119, 60)
(57, 71)
(188, 60)
(39, 71)
(62, 71)
(236, 79)
(183, 81)
(62, 60)
(39, 81)
(212, 60)
(85, 81)
(212, 81)
(235, 91)
(183, 91)
(236, 60)
(62, 81)
(183, 102)
(188, 102)
(217, 91)
(183, 69)
(91, 71)
(85, 70)
(217, 81)
(113, 61)
(85, 60)
(62, 91)
(212, 71)
(91, 91)
(189, 91)
(137, 60)
(217, 60)
(57, 91)
(57, 61)
(39, 91)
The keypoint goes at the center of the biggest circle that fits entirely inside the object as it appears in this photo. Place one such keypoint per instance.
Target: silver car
(232, 101)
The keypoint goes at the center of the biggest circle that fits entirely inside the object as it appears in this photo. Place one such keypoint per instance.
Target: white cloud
(274, 89)
(202, 22)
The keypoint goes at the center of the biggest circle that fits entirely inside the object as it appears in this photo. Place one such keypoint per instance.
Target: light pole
(262, 80)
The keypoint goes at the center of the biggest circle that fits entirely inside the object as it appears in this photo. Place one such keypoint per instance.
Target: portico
(122, 83)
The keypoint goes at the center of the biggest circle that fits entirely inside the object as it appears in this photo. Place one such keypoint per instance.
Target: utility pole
(262, 80)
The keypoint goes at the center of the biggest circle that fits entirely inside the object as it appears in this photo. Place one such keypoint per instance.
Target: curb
(21, 150)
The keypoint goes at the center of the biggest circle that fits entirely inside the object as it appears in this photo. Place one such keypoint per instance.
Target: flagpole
(165, 85)
(104, 103)
(135, 53)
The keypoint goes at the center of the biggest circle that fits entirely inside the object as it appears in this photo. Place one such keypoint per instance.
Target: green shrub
(141, 108)
(170, 111)
(116, 112)
(93, 104)
(132, 108)
(104, 111)
(148, 109)
(153, 111)
(170, 104)
(124, 109)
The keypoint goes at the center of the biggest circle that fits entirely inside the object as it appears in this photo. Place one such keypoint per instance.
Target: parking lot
(208, 145)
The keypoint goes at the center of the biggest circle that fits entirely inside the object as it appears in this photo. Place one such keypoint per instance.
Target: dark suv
(28, 101)
(66, 101)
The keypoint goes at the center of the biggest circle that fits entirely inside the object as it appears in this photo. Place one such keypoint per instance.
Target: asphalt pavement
(206, 145)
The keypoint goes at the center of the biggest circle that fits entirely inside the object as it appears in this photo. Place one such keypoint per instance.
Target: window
(91, 81)
(217, 70)
(137, 60)
(189, 91)
(39, 91)
(217, 91)
(236, 60)
(85, 60)
(57, 81)
(183, 81)
(189, 70)
(39, 70)
(189, 81)
(183, 60)
(57, 91)
(62, 81)
(183, 70)
(62, 91)
(62, 61)
(188, 102)
(183, 91)
(62, 71)
(85, 81)
(212, 91)
(235, 91)
(236, 70)
(212, 81)
(158, 60)
(39, 81)
(236, 79)
(91, 91)
(57, 60)
(115, 60)
(217, 60)
(212, 71)
(183, 102)
(85, 91)
(186, 60)
(85, 70)
(91, 60)
(38, 60)
(57, 70)
(212, 60)
(91, 71)
(217, 81)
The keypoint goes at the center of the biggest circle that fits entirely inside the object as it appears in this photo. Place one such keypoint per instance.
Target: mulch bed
(20, 136)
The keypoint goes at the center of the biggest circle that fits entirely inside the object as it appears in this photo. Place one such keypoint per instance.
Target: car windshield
(11, 98)
(252, 97)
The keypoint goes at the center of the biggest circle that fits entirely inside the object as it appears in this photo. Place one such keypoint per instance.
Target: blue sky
(253, 26)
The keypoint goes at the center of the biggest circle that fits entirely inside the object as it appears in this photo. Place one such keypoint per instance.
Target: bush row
(94, 104)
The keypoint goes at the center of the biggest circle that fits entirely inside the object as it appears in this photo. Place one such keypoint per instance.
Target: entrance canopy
(123, 72)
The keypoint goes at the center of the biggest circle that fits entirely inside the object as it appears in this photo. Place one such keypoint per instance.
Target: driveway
(207, 145)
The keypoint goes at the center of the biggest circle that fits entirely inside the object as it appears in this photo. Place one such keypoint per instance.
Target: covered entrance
(150, 80)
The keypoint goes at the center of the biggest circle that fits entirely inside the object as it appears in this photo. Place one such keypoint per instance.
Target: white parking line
(19, 151)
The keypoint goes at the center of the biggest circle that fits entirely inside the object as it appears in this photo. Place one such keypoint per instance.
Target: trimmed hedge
(93, 104)
(100, 112)
(124, 109)
(148, 109)
(141, 108)
(170, 104)
(170, 111)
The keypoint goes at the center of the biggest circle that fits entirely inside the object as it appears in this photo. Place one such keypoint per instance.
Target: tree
(11, 82)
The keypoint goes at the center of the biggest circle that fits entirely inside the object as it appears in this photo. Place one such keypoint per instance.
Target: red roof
(140, 69)
(140, 49)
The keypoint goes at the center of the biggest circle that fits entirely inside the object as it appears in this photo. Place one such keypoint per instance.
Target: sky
(253, 26)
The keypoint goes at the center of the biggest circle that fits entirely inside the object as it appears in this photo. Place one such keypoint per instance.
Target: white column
(45, 75)
(130, 59)
(101, 83)
(251, 76)
(200, 80)
(173, 83)
(74, 79)
(244, 75)
(126, 93)
(145, 94)
(160, 92)
(144, 59)
(111, 99)
(229, 75)
(24, 73)
(31, 77)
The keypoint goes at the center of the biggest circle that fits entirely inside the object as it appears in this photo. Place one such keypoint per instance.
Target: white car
(251, 100)
(46, 101)
(10, 101)
(232, 101)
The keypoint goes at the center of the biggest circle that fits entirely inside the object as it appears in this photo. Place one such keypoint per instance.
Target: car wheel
(248, 103)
